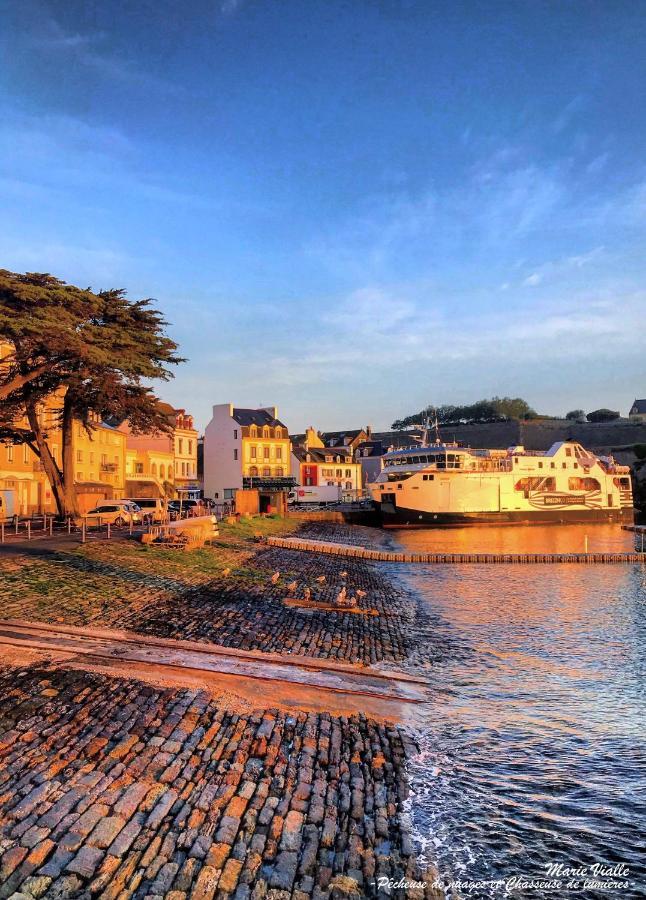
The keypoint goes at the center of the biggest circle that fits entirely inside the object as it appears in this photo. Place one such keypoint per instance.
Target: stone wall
(540, 434)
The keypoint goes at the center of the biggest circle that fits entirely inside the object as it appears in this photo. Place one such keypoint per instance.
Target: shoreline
(334, 788)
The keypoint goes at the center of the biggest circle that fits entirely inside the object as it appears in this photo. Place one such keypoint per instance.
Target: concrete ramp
(257, 678)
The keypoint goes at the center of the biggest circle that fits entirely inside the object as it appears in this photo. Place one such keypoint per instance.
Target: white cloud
(533, 279)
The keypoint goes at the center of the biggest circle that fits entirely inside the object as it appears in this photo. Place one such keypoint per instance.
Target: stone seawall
(540, 435)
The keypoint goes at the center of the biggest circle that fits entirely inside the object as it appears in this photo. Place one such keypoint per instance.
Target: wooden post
(2, 532)
(29, 529)
(108, 530)
(69, 525)
(51, 526)
(82, 531)
(585, 543)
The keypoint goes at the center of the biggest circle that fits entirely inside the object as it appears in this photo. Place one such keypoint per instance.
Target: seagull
(275, 577)
(291, 587)
(361, 594)
(321, 579)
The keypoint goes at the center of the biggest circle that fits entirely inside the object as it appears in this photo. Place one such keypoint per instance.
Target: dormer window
(253, 431)
(265, 432)
(279, 431)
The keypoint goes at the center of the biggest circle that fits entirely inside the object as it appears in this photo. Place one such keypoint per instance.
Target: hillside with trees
(497, 409)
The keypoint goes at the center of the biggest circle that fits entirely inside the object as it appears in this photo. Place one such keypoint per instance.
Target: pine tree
(91, 355)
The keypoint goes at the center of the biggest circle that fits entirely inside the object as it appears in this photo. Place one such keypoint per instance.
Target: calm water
(534, 749)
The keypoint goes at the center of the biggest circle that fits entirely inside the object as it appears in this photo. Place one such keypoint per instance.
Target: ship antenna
(436, 425)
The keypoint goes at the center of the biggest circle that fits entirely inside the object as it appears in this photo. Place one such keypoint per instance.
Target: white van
(7, 506)
(154, 508)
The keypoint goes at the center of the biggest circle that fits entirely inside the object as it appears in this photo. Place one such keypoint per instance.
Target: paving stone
(86, 861)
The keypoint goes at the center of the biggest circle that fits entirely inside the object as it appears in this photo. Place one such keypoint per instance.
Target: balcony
(267, 483)
(109, 467)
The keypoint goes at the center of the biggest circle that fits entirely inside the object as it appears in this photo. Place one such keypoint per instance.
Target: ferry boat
(445, 484)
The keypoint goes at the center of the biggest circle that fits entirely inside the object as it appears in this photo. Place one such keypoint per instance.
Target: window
(568, 451)
(278, 432)
(235, 434)
(190, 447)
(339, 473)
(180, 445)
(91, 458)
(104, 459)
(253, 431)
(229, 494)
(25, 453)
(622, 483)
(139, 468)
(253, 452)
(153, 468)
(308, 482)
(540, 465)
(80, 476)
(583, 484)
(348, 485)
(9, 452)
(265, 452)
(279, 472)
(564, 465)
(279, 452)
(161, 471)
(235, 454)
(266, 472)
(348, 473)
(265, 432)
(253, 471)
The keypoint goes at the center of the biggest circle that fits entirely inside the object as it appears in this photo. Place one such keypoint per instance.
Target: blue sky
(348, 209)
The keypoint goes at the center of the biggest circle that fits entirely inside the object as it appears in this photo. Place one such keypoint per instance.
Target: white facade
(222, 455)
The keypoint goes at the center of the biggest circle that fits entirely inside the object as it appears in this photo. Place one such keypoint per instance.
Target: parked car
(152, 508)
(118, 512)
(190, 507)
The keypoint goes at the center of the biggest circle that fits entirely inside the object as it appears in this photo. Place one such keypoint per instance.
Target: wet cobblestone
(111, 788)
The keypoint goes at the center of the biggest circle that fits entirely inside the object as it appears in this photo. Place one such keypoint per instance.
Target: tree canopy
(496, 409)
(90, 355)
(575, 415)
(602, 415)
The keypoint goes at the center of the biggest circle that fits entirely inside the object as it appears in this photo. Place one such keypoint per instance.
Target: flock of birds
(342, 599)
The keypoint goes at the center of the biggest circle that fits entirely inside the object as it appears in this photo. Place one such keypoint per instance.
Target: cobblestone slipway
(115, 789)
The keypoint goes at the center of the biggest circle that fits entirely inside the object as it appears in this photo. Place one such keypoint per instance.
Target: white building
(245, 448)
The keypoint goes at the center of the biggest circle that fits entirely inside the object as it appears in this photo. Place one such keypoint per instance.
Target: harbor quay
(119, 781)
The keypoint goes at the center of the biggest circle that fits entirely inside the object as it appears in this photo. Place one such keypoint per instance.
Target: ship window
(568, 451)
(564, 465)
(622, 483)
(399, 487)
(540, 465)
(428, 477)
(583, 484)
(552, 465)
(576, 465)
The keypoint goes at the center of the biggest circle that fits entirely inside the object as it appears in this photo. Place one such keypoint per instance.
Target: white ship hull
(456, 487)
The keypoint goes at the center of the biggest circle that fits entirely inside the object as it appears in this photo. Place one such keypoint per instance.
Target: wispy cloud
(90, 51)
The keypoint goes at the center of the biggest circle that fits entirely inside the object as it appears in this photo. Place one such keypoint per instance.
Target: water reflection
(534, 749)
